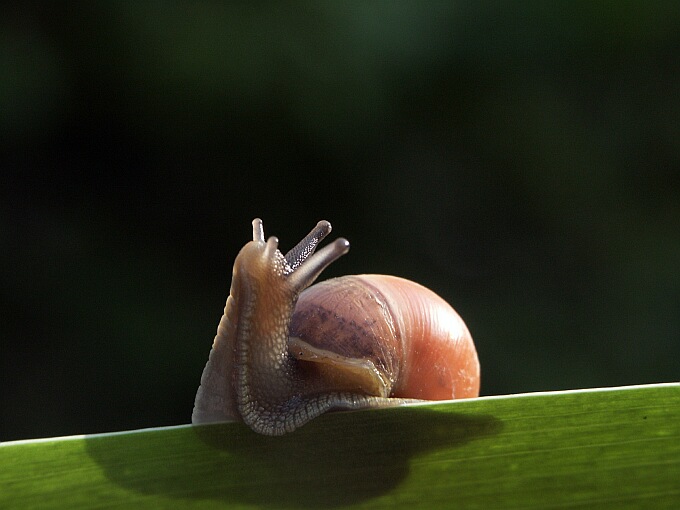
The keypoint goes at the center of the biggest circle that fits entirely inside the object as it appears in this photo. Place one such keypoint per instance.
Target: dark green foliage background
(521, 159)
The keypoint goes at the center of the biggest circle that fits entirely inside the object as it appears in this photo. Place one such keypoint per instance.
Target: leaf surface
(601, 448)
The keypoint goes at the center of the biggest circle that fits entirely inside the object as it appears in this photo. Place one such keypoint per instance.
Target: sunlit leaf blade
(603, 448)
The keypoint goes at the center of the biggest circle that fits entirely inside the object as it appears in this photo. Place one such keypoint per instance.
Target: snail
(286, 352)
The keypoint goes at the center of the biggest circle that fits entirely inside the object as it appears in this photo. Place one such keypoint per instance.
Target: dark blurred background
(521, 159)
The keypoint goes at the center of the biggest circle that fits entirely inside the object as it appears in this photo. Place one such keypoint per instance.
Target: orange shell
(414, 338)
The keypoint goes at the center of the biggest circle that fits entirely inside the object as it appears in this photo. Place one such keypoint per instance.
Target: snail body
(286, 352)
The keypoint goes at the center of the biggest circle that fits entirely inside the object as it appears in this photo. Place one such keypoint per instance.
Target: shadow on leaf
(337, 459)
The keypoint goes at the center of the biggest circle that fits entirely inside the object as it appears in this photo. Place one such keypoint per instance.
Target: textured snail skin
(284, 355)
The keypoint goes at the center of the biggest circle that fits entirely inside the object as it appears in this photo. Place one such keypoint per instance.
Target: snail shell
(286, 352)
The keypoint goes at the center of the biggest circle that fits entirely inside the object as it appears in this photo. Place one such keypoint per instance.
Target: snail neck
(273, 394)
(265, 376)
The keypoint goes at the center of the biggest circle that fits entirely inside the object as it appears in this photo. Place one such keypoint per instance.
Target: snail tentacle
(307, 245)
(309, 271)
(258, 230)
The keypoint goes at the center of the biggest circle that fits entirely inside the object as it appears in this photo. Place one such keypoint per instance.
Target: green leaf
(603, 448)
